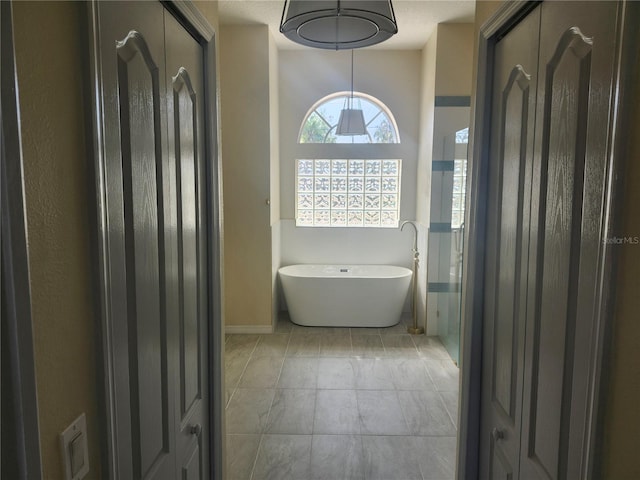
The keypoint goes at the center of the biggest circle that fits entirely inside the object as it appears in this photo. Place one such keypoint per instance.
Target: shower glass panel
(446, 232)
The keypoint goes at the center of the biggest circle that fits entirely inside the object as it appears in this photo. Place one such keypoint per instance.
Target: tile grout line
(262, 432)
(275, 386)
(431, 377)
(384, 349)
(409, 429)
(315, 403)
(255, 460)
(446, 409)
(359, 415)
(363, 460)
(351, 341)
(234, 392)
(244, 369)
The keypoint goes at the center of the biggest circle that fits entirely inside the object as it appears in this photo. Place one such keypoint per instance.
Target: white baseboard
(255, 329)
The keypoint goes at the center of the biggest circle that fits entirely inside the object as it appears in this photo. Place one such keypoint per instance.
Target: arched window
(356, 191)
(319, 125)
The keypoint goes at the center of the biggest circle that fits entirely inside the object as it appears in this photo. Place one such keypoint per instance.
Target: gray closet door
(511, 152)
(573, 132)
(185, 75)
(555, 72)
(153, 154)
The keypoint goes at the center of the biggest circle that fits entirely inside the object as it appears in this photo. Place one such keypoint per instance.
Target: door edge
(468, 458)
(17, 324)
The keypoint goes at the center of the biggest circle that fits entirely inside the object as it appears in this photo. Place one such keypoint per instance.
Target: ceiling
(416, 19)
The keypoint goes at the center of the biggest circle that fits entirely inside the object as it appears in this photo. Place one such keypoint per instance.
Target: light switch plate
(75, 454)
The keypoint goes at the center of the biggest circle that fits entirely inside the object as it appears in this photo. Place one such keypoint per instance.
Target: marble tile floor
(340, 403)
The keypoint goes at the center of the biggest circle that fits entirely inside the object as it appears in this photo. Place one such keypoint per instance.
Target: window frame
(382, 109)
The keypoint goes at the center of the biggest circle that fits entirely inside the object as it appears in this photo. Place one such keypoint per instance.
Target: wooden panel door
(575, 96)
(185, 88)
(546, 358)
(511, 153)
(138, 188)
(152, 100)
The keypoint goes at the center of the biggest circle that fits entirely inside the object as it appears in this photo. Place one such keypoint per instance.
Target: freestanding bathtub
(345, 295)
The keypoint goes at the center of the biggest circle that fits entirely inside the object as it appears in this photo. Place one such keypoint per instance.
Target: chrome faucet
(415, 235)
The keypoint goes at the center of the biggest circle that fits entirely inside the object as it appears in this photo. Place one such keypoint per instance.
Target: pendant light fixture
(338, 24)
(351, 120)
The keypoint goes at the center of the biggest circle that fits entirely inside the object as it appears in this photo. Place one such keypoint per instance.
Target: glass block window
(347, 193)
(459, 182)
(462, 136)
(319, 126)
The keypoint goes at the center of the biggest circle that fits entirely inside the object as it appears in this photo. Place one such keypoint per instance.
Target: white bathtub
(345, 295)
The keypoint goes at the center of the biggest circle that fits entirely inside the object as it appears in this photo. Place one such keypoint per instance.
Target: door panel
(185, 121)
(566, 97)
(191, 469)
(515, 100)
(511, 153)
(575, 94)
(185, 74)
(137, 187)
(500, 467)
(141, 157)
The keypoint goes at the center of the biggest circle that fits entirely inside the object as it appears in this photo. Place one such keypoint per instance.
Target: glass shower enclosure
(446, 229)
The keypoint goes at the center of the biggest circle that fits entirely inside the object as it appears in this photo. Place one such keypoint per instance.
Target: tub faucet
(415, 234)
(414, 329)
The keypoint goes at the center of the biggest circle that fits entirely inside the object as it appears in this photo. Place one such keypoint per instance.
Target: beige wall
(455, 59)
(427, 104)
(246, 160)
(622, 422)
(274, 131)
(423, 180)
(49, 45)
(209, 8)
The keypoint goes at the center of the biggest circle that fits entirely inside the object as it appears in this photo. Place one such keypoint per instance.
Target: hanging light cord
(351, 104)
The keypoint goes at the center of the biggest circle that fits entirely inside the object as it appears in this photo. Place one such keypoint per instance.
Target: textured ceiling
(416, 19)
